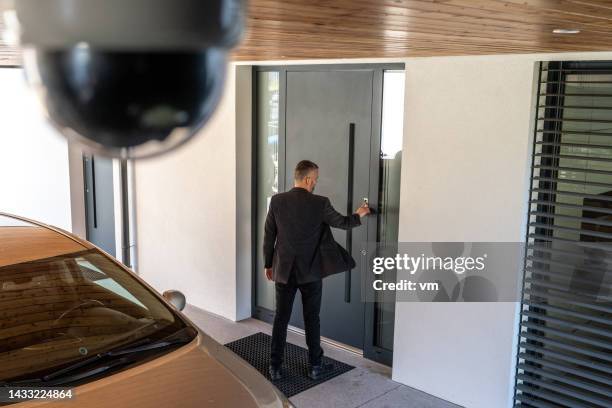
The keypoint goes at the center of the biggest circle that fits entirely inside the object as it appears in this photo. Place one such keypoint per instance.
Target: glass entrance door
(308, 113)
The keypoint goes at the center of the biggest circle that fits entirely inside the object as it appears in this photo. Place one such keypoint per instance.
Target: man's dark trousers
(311, 302)
(300, 249)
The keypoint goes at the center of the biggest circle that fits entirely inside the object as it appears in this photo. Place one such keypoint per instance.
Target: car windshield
(57, 311)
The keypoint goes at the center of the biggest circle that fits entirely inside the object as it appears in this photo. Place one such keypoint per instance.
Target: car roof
(26, 240)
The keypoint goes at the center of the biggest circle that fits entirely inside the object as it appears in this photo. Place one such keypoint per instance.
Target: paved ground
(369, 385)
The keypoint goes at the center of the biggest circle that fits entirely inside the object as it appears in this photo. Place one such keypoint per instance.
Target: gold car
(73, 317)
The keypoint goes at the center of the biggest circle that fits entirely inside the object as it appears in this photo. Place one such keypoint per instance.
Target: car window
(59, 310)
(98, 277)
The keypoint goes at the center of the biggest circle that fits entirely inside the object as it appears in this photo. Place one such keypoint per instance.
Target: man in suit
(299, 251)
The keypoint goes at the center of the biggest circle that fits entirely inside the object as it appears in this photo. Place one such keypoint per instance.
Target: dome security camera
(128, 79)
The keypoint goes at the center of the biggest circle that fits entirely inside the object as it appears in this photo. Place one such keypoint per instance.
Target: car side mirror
(176, 299)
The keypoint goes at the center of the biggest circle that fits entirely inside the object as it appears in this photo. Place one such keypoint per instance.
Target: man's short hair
(303, 169)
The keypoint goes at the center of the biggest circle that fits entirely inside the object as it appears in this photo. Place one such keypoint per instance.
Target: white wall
(186, 214)
(34, 176)
(465, 177)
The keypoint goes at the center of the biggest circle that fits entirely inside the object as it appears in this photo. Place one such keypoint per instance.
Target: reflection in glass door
(268, 99)
(389, 197)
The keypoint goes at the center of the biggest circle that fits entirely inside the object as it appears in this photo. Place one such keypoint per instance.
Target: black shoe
(275, 373)
(315, 372)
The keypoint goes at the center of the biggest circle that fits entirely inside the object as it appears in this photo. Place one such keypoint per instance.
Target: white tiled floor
(369, 385)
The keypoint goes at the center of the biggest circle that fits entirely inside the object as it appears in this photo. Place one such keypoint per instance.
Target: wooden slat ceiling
(312, 29)
(8, 55)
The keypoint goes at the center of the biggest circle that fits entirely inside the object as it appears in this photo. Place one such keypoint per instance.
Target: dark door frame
(370, 350)
(90, 200)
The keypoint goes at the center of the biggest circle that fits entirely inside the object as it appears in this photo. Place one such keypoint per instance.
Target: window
(389, 198)
(67, 309)
(267, 140)
(565, 350)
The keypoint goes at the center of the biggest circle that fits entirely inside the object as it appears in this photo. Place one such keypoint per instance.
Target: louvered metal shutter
(565, 349)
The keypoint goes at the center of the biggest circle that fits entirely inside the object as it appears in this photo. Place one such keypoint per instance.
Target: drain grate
(255, 350)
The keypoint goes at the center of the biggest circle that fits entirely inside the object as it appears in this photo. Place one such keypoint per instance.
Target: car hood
(200, 374)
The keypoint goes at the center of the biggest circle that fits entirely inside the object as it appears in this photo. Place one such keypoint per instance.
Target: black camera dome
(126, 103)
(128, 78)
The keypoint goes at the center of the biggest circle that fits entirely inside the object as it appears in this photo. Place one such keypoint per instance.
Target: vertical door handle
(93, 192)
(349, 208)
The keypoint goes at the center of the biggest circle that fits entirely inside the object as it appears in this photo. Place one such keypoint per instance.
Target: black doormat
(255, 350)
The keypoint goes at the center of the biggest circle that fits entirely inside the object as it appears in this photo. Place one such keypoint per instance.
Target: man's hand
(363, 210)
(269, 273)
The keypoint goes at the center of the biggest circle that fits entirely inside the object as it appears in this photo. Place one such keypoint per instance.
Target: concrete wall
(34, 174)
(186, 214)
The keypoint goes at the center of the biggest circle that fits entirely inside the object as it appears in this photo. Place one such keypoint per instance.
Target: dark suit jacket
(297, 232)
